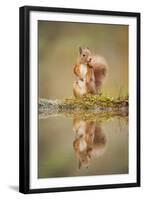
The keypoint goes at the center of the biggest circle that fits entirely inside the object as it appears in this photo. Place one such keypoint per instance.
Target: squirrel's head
(85, 54)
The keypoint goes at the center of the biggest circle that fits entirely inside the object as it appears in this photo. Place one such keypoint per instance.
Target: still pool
(76, 147)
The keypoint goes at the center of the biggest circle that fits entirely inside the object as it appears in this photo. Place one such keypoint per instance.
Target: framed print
(79, 99)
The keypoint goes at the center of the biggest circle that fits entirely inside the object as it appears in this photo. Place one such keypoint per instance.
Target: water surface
(75, 147)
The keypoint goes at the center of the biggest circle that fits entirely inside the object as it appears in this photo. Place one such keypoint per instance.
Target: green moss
(89, 101)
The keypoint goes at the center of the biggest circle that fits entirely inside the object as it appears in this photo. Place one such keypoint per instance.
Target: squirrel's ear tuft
(80, 50)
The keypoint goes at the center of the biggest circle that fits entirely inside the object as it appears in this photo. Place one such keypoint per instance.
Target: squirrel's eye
(83, 55)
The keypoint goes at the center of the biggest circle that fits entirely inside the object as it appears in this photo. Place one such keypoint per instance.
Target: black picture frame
(24, 139)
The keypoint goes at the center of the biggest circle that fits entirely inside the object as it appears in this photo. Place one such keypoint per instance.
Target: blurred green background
(58, 51)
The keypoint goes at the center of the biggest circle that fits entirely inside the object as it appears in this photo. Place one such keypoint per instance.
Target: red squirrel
(91, 71)
(90, 140)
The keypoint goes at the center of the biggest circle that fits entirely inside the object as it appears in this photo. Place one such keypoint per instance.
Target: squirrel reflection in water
(90, 141)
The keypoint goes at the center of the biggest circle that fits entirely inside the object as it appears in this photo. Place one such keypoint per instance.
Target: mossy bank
(86, 104)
